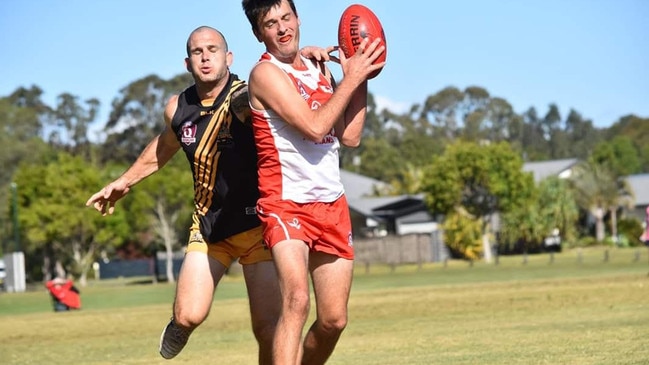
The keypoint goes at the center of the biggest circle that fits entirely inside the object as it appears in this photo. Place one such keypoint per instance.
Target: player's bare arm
(240, 106)
(270, 88)
(276, 92)
(155, 155)
(350, 130)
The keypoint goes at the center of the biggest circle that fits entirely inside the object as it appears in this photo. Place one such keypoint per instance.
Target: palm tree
(558, 207)
(409, 181)
(598, 190)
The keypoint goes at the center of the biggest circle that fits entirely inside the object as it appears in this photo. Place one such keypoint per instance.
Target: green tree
(599, 190)
(582, 135)
(374, 125)
(456, 113)
(160, 207)
(463, 234)
(53, 216)
(619, 155)
(553, 131)
(417, 140)
(137, 115)
(378, 159)
(523, 225)
(636, 129)
(482, 180)
(71, 121)
(409, 182)
(558, 208)
(414, 139)
(20, 138)
(443, 109)
(30, 98)
(534, 139)
(499, 120)
(551, 206)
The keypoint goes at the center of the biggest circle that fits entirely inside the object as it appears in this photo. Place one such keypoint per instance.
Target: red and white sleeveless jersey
(292, 167)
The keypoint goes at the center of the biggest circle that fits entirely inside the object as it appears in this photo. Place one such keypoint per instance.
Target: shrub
(631, 228)
(585, 241)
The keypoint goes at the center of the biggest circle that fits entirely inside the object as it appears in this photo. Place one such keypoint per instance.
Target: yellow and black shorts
(246, 246)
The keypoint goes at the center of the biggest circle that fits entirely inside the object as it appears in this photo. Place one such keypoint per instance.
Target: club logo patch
(294, 223)
(188, 131)
(196, 237)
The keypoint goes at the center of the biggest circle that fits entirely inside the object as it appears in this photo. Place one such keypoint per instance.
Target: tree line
(463, 149)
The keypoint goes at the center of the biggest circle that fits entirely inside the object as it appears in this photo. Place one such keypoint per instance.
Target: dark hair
(257, 9)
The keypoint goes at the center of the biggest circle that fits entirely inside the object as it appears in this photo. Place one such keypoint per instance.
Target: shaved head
(205, 28)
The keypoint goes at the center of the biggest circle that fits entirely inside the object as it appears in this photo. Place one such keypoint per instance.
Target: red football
(358, 22)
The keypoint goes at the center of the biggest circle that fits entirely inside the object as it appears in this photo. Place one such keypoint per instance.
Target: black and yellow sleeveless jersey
(221, 152)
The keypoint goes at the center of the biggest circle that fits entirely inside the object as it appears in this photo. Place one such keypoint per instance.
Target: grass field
(566, 312)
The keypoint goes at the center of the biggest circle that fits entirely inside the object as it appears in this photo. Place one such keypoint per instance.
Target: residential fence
(392, 250)
(398, 250)
(429, 248)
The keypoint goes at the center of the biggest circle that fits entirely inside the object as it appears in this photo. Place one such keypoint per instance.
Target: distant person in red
(644, 237)
(646, 228)
(64, 294)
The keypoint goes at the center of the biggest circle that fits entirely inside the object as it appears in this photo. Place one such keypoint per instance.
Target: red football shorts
(324, 227)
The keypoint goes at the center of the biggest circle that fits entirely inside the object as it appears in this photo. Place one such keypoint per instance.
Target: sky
(588, 55)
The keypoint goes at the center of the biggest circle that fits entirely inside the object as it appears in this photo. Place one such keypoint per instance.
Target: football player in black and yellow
(210, 122)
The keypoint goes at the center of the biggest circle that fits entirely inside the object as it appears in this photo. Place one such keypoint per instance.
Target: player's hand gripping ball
(358, 22)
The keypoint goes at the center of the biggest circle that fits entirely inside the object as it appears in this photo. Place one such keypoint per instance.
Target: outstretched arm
(154, 156)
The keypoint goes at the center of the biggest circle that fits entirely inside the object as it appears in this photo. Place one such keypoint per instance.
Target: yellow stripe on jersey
(206, 156)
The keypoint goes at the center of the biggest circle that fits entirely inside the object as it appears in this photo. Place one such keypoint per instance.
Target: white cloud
(397, 107)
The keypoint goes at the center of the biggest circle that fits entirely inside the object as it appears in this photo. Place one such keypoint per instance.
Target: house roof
(640, 185)
(358, 186)
(404, 204)
(376, 206)
(360, 189)
(365, 206)
(543, 169)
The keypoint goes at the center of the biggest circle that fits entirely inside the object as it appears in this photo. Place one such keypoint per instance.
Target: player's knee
(264, 331)
(297, 304)
(333, 325)
(189, 318)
